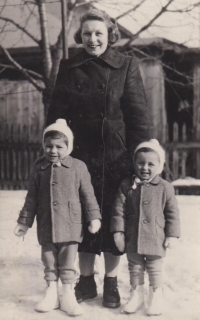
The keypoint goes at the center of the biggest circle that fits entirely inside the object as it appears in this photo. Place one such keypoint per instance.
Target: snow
(188, 181)
(22, 283)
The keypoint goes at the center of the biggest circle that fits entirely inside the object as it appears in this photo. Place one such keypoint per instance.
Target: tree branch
(189, 79)
(33, 73)
(164, 9)
(58, 47)
(21, 28)
(23, 71)
(133, 9)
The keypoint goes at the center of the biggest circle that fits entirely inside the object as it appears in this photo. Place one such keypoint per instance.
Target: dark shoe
(111, 297)
(86, 288)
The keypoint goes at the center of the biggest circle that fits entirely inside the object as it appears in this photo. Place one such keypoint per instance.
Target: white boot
(69, 303)
(51, 298)
(136, 300)
(155, 301)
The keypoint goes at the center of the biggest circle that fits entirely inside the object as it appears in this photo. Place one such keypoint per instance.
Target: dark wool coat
(147, 215)
(103, 100)
(59, 197)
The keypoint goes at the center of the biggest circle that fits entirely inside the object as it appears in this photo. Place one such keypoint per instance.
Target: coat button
(147, 185)
(145, 221)
(145, 202)
(78, 86)
(55, 203)
(103, 86)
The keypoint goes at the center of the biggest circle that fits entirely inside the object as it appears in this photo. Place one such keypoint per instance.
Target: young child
(60, 195)
(145, 212)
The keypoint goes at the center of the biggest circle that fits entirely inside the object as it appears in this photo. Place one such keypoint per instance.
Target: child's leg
(67, 252)
(50, 261)
(136, 265)
(66, 259)
(154, 269)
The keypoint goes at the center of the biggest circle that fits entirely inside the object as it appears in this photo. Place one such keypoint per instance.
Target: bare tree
(52, 55)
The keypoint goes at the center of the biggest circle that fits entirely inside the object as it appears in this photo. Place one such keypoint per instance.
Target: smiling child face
(55, 149)
(146, 164)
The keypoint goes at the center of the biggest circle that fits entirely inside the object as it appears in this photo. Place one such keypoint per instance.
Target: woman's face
(94, 37)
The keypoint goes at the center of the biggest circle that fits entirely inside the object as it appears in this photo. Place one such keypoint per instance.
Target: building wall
(153, 80)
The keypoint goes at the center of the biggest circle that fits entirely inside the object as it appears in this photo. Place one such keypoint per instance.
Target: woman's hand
(170, 242)
(119, 239)
(94, 226)
(20, 230)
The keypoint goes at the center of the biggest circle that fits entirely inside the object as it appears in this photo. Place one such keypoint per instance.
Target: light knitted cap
(61, 126)
(154, 145)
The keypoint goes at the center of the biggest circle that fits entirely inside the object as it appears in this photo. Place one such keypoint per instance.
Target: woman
(100, 94)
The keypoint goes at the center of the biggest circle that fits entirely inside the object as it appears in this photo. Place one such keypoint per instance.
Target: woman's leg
(86, 287)
(111, 297)
(86, 263)
(111, 264)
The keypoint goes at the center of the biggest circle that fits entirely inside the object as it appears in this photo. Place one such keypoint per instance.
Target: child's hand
(170, 242)
(119, 239)
(94, 226)
(20, 230)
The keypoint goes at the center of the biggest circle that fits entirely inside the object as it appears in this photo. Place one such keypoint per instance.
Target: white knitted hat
(61, 126)
(155, 146)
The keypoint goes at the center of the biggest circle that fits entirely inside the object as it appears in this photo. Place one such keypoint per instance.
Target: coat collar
(156, 180)
(66, 162)
(111, 57)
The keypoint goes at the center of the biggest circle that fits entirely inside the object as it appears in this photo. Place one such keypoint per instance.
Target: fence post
(175, 163)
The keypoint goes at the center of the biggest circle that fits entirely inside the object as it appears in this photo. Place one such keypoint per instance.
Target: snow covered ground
(22, 284)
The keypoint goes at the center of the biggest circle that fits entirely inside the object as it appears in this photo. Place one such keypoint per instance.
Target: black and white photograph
(99, 159)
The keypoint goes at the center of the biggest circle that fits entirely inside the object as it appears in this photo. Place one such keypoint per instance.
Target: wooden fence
(17, 154)
(19, 148)
(181, 155)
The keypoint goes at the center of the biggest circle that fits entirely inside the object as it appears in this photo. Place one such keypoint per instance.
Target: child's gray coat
(59, 197)
(147, 215)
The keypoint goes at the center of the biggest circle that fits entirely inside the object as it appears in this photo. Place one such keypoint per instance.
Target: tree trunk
(45, 45)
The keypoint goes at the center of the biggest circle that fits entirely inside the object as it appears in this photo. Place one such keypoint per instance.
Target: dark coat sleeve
(28, 212)
(134, 107)
(87, 196)
(58, 107)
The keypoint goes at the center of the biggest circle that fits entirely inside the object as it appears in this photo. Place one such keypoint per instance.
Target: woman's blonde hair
(100, 15)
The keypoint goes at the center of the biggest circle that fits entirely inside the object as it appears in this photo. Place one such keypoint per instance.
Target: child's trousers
(58, 260)
(138, 263)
